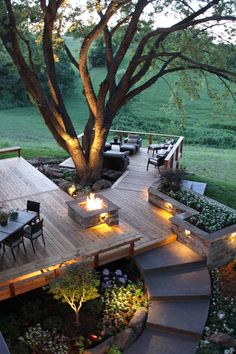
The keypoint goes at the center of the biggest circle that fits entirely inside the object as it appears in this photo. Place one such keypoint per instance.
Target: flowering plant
(42, 341)
(113, 278)
(211, 217)
(121, 299)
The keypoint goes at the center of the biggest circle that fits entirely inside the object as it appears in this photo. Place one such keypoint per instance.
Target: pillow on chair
(132, 141)
(133, 136)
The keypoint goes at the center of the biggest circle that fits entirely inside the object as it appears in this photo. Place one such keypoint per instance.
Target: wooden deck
(64, 238)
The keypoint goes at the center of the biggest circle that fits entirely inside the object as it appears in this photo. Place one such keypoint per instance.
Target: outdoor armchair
(34, 231)
(134, 139)
(14, 240)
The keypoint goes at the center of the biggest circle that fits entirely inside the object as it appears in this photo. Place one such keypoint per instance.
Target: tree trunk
(88, 170)
(77, 321)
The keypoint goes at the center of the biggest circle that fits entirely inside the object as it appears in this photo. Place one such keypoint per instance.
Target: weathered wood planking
(20, 181)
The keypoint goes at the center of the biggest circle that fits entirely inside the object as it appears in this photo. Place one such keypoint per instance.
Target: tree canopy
(138, 53)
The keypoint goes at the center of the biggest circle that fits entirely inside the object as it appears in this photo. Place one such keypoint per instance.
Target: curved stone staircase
(179, 289)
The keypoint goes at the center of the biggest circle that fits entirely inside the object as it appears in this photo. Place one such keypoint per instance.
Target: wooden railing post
(96, 261)
(181, 148)
(56, 272)
(150, 137)
(12, 290)
(121, 137)
(131, 250)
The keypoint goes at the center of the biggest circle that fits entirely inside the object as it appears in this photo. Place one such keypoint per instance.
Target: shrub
(172, 180)
(113, 350)
(43, 341)
(53, 322)
(120, 303)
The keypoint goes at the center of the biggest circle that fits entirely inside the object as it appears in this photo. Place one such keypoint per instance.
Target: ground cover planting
(211, 217)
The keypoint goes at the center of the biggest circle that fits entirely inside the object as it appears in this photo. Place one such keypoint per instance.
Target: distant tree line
(12, 90)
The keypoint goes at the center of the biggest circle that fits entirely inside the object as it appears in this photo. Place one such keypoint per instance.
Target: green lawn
(216, 167)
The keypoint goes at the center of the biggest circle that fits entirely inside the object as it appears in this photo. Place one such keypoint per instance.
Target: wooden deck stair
(179, 289)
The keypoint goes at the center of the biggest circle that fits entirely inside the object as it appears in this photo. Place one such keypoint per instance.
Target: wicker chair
(34, 231)
(14, 240)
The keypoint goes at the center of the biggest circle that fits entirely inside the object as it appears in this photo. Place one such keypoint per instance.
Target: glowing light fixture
(169, 206)
(72, 190)
(187, 233)
(104, 217)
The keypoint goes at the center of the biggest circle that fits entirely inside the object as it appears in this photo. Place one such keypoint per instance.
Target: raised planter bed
(218, 247)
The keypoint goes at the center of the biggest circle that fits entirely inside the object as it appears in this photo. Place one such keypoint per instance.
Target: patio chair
(14, 240)
(156, 161)
(134, 139)
(34, 231)
(33, 206)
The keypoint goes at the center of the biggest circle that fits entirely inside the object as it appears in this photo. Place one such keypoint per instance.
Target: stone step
(174, 255)
(178, 284)
(179, 317)
(157, 342)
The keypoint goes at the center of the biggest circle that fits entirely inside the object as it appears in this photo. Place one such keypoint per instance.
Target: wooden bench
(11, 149)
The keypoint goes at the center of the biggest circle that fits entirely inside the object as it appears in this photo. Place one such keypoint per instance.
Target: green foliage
(3, 215)
(120, 303)
(211, 217)
(10, 326)
(80, 343)
(171, 180)
(113, 350)
(76, 286)
(97, 55)
(12, 91)
(32, 310)
(43, 342)
(52, 322)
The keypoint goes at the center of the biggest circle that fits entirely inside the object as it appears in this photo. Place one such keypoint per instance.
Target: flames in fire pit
(94, 203)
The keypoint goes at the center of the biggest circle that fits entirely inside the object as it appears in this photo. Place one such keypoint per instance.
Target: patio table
(24, 218)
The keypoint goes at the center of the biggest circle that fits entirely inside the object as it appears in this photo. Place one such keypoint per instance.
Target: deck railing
(171, 160)
(150, 134)
(175, 154)
(33, 275)
(10, 150)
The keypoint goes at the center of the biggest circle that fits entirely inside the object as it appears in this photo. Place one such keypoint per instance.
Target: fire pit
(93, 210)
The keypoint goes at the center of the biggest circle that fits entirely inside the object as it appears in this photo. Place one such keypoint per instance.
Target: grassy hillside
(216, 167)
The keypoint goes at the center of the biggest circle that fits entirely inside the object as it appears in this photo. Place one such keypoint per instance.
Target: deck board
(20, 181)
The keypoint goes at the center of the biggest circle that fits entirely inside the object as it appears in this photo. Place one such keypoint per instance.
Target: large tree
(150, 51)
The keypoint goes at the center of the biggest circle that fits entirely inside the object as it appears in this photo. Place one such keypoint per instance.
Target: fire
(94, 203)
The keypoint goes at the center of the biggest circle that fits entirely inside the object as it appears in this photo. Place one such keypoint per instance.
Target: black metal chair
(33, 206)
(35, 231)
(14, 240)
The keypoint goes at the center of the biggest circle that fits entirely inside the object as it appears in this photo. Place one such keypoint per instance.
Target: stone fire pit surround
(218, 247)
(89, 218)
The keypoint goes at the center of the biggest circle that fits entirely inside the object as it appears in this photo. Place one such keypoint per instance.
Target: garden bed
(218, 247)
(38, 322)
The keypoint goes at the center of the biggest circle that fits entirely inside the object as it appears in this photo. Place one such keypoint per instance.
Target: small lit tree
(75, 286)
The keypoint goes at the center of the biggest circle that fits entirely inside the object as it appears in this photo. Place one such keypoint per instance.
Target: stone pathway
(179, 289)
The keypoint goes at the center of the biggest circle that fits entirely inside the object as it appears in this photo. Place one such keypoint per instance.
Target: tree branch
(49, 18)
(85, 77)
